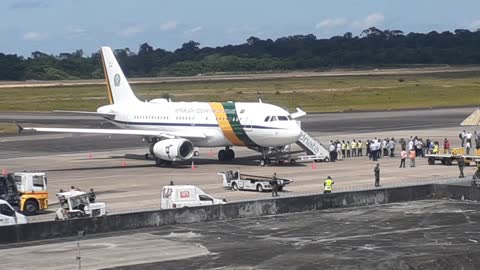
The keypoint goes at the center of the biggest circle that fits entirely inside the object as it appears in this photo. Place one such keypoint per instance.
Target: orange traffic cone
(314, 165)
(193, 166)
(124, 163)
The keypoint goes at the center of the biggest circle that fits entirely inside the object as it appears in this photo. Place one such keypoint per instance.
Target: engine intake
(173, 149)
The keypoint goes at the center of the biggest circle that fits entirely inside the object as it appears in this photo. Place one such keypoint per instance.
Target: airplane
(175, 129)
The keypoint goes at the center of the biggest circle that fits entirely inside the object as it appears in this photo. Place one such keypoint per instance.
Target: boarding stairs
(314, 149)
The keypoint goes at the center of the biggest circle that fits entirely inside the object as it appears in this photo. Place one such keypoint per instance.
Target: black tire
(326, 159)
(30, 207)
(222, 154)
(196, 153)
(234, 186)
(259, 188)
(293, 161)
(230, 154)
(448, 161)
(263, 162)
(431, 161)
(146, 156)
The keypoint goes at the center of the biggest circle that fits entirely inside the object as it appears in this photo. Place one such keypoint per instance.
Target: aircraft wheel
(263, 162)
(230, 154)
(196, 153)
(147, 155)
(222, 154)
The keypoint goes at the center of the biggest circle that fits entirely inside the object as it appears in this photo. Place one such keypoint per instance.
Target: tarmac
(414, 235)
(116, 168)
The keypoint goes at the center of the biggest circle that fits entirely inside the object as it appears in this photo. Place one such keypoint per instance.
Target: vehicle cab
(75, 204)
(33, 188)
(8, 216)
(185, 196)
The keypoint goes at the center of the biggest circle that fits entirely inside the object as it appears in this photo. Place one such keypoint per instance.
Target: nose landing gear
(226, 155)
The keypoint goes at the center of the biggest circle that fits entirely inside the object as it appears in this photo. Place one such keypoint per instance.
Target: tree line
(372, 48)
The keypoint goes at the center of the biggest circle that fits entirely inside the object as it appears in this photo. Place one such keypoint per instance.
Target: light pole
(79, 258)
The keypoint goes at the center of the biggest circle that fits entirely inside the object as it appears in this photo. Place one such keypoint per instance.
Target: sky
(55, 26)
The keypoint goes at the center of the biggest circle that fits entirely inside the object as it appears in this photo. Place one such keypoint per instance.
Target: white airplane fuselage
(224, 124)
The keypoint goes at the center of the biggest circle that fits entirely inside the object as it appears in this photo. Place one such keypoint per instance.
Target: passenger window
(282, 118)
(7, 211)
(38, 181)
(205, 198)
(267, 118)
(274, 118)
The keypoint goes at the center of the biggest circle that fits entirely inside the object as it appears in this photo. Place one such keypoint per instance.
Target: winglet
(20, 128)
(298, 113)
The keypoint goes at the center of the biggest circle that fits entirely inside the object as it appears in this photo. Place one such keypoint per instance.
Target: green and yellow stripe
(109, 88)
(229, 123)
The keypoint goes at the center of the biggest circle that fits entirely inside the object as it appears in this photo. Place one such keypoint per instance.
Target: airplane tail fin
(118, 89)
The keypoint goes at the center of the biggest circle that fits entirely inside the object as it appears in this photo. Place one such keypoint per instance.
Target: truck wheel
(259, 188)
(448, 161)
(30, 208)
(431, 161)
(234, 187)
(326, 159)
(292, 161)
(263, 162)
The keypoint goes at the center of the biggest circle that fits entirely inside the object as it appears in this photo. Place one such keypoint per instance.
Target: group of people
(469, 140)
(345, 149)
(377, 148)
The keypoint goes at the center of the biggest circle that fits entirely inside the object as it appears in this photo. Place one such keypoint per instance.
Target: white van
(185, 196)
(8, 215)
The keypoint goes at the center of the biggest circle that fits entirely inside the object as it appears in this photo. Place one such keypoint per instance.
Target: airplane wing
(135, 132)
(87, 113)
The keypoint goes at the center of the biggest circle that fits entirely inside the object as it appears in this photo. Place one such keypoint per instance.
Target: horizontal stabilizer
(473, 119)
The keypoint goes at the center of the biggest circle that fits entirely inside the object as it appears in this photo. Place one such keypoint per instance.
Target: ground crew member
(91, 196)
(274, 185)
(435, 148)
(354, 148)
(328, 185)
(349, 148)
(344, 148)
(359, 148)
(376, 170)
(461, 165)
(403, 156)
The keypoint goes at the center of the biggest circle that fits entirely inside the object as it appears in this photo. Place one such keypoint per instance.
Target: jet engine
(173, 149)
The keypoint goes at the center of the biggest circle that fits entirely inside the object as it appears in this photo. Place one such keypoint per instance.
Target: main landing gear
(226, 155)
(265, 160)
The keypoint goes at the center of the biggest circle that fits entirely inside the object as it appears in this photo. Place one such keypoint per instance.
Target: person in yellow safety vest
(359, 148)
(328, 185)
(354, 148)
(435, 148)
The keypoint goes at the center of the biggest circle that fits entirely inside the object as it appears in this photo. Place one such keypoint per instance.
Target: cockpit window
(267, 118)
(274, 118)
(282, 118)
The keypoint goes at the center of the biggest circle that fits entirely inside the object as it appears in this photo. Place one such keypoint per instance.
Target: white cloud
(131, 31)
(374, 19)
(331, 23)
(169, 26)
(194, 30)
(35, 36)
(475, 25)
(29, 4)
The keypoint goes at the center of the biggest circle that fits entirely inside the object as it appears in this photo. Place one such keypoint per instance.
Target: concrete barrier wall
(246, 209)
(456, 192)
